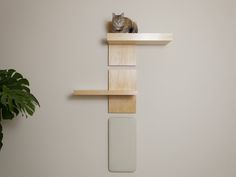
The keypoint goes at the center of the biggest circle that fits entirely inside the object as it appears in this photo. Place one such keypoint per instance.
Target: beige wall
(186, 107)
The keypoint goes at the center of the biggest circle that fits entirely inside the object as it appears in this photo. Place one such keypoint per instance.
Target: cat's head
(118, 21)
(114, 15)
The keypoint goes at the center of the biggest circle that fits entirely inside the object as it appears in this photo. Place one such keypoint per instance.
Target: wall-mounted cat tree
(122, 95)
(122, 82)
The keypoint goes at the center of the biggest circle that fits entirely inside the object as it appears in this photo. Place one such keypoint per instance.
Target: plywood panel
(122, 79)
(122, 55)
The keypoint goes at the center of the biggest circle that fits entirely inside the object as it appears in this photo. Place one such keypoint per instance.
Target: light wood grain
(122, 55)
(139, 38)
(122, 79)
(104, 92)
(122, 104)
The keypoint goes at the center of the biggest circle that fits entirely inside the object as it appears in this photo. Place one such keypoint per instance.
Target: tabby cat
(121, 24)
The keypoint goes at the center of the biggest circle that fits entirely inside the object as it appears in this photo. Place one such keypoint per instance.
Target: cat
(121, 24)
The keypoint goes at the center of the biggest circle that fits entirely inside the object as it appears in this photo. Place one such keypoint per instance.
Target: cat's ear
(122, 14)
(113, 15)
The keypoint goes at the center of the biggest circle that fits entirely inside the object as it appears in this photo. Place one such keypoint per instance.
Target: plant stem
(1, 135)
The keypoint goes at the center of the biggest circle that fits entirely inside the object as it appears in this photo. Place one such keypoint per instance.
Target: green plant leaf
(17, 76)
(15, 95)
(7, 114)
(4, 99)
(10, 72)
(23, 82)
(34, 99)
(25, 88)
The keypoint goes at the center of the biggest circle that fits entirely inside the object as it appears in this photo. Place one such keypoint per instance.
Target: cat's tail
(134, 28)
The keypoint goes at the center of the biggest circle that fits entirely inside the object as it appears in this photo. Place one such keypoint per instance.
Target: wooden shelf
(104, 92)
(139, 38)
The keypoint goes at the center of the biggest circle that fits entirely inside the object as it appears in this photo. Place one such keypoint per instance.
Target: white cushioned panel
(122, 144)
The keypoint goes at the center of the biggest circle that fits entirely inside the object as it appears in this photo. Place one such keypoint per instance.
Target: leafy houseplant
(15, 97)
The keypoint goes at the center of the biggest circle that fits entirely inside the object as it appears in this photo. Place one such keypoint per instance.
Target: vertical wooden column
(123, 77)
(122, 130)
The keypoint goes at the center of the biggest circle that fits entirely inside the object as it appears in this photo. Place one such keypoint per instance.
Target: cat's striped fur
(121, 24)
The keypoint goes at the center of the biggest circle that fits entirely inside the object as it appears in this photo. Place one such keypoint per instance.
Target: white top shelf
(139, 38)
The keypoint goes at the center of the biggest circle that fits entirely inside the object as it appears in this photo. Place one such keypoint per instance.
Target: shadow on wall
(108, 28)
(72, 97)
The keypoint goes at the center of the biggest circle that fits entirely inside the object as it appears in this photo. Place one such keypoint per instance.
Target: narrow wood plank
(122, 104)
(104, 92)
(122, 79)
(122, 55)
(139, 38)
(122, 144)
